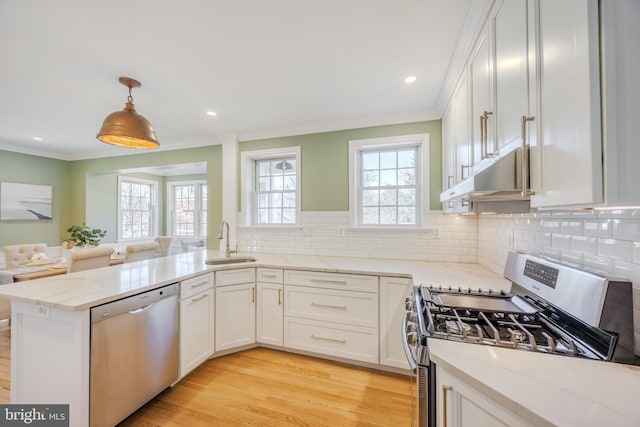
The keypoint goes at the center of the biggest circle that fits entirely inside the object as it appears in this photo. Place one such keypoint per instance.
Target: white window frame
(170, 205)
(247, 184)
(153, 229)
(422, 176)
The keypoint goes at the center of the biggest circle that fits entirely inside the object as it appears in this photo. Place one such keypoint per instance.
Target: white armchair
(140, 252)
(164, 245)
(16, 255)
(86, 259)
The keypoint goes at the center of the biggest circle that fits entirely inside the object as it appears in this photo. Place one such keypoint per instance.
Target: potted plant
(81, 235)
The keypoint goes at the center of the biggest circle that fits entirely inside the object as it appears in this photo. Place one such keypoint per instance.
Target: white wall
(605, 242)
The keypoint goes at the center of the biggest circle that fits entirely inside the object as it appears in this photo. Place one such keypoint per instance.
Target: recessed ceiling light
(410, 79)
(37, 138)
(211, 113)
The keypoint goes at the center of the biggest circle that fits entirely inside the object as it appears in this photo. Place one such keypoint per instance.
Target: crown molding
(337, 125)
(219, 138)
(14, 148)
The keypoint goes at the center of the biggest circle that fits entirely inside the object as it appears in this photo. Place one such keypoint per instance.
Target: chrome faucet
(227, 251)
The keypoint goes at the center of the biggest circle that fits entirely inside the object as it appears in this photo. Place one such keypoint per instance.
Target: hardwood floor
(263, 387)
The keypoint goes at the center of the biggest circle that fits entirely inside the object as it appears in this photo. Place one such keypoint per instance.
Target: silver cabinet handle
(269, 276)
(253, 295)
(484, 142)
(342, 341)
(200, 284)
(525, 153)
(337, 307)
(331, 282)
(279, 296)
(483, 153)
(199, 298)
(445, 389)
(462, 168)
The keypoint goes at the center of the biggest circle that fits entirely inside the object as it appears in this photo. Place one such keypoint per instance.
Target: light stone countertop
(86, 289)
(544, 389)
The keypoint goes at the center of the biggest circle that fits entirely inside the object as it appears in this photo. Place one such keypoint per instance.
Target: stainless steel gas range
(551, 308)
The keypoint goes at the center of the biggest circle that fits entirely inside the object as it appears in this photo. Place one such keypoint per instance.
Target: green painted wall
(212, 155)
(324, 179)
(23, 168)
(325, 161)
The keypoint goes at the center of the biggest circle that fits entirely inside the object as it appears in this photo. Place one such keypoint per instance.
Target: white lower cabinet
(393, 292)
(333, 314)
(196, 322)
(459, 404)
(235, 308)
(270, 313)
(334, 339)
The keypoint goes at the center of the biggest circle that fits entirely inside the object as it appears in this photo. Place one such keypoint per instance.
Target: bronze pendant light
(127, 128)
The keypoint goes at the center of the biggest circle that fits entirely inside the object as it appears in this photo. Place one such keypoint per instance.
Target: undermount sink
(218, 261)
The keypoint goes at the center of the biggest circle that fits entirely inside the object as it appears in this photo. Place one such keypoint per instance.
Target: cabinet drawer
(269, 275)
(234, 277)
(350, 342)
(352, 308)
(351, 282)
(196, 284)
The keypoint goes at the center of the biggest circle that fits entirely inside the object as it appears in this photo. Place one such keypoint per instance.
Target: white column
(229, 185)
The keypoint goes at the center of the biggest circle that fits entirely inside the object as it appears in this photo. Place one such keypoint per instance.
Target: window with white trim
(271, 187)
(187, 209)
(388, 181)
(137, 213)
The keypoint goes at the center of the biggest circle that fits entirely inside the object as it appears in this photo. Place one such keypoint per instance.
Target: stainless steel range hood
(500, 181)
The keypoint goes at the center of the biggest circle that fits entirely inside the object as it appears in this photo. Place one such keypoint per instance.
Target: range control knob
(412, 338)
(408, 304)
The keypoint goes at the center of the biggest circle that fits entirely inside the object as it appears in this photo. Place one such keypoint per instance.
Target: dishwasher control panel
(133, 303)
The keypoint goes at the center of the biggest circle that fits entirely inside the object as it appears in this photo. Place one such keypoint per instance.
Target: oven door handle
(405, 342)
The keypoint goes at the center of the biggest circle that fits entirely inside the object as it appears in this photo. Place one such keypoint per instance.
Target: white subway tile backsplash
(561, 213)
(552, 254)
(584, 213)
(457, 238)
(599, 265)
(636, 252)
(561, 241)
(615, 213)
(616, 249)
(571, 258)
(584, 244)
(551, 225)
(598, 228)
(626, 229)
(627, 270)
(572, 226)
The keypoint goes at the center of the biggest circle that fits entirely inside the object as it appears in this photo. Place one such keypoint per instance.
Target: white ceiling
(267, 68)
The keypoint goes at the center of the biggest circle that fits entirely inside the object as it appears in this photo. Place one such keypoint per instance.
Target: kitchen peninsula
(51, 336)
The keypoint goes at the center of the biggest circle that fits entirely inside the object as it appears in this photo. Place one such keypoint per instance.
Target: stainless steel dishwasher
(134, 353)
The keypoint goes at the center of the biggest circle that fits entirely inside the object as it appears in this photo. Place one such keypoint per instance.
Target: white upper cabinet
(456, 144)
(511, 73)
(569, 141)
(569, 68)
(482, 115)
(462, 139)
